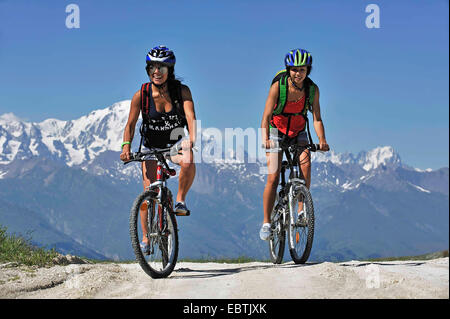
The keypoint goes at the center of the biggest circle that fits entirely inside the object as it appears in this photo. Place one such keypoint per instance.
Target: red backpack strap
(145, 97)
(144, 109)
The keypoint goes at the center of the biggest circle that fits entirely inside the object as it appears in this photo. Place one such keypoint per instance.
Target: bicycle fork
(294, 191)
(155, 207)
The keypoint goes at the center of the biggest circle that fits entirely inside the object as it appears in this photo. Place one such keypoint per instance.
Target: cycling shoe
(265, 232)
(181, 209)
(145, 247)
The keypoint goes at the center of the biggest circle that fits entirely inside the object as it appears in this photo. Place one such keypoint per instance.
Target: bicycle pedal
(183, 214)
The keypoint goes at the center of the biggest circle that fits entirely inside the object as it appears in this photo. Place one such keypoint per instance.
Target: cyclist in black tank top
(164, 121)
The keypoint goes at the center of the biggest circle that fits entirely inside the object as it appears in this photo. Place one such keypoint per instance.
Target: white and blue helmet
(161, 54)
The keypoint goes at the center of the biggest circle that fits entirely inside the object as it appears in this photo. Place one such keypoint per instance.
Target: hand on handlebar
(268, 144)
(187, 144)
(324, 147)
(126, 154)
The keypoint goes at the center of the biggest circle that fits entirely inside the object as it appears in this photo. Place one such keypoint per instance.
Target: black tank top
(161, 129)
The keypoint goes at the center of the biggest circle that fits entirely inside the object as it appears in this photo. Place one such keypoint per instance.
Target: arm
(189, 111)
(128, 134)
(318, 124)
(271, 101)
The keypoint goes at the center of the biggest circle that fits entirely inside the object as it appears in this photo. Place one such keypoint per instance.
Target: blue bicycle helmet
(298, 57)
(161, 54)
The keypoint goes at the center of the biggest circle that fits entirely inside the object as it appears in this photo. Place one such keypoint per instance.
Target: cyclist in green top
(290, 121)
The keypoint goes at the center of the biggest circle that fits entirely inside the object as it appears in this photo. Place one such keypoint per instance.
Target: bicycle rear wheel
(160, 224)
(301, 228)
(278, 238)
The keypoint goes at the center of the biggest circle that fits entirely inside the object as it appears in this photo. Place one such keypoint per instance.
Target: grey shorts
(277, 136)
(169, 156)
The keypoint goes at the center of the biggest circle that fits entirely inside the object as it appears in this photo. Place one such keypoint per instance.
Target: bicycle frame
(285, 215)
(162, 175)
(295, 176)
(160, 225)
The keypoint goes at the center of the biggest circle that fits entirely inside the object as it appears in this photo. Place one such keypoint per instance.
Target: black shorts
(276, 136)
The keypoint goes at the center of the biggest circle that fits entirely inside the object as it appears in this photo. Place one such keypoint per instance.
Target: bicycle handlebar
(310, 147)
(172, 150)
(141, 156)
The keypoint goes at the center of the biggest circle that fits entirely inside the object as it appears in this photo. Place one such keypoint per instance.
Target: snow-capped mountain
(65, 179)
(87, 142)
(74, 142)
(367, 160)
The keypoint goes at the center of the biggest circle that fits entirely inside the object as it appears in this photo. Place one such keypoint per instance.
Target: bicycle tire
(278, 238)
(301, 233)
(169, 255)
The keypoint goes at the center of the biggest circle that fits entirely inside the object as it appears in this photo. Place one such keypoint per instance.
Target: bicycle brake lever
(317, 146)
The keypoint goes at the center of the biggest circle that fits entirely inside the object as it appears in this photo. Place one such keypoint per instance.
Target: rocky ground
(353, 279)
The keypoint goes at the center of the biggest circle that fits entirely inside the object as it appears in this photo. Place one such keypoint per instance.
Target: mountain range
(62, 182)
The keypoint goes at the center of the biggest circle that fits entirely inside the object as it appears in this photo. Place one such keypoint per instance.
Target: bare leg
(148, 177)
(305, 166)
(187, 174)
(273, 177)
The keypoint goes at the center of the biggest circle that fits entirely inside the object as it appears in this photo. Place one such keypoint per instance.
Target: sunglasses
(299, 70)
(162, 68)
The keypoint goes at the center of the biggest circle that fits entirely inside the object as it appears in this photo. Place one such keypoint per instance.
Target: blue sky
(386, 86)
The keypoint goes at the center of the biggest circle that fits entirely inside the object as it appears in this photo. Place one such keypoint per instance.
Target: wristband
(124, 144)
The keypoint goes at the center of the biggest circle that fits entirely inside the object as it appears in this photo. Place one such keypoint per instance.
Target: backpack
(310, 89)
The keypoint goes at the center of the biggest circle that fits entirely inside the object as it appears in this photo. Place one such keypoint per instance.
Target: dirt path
(354, 279)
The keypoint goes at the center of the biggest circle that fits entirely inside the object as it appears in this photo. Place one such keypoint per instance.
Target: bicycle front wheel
(278, 238)
(157, 224)
(301, 226)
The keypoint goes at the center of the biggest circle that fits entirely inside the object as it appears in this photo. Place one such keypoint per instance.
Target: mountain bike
(285, 217)
(157, 218)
